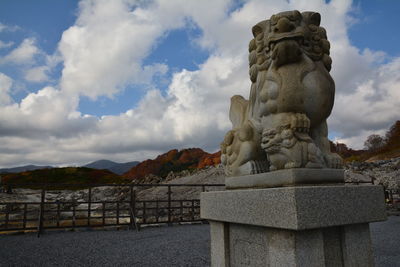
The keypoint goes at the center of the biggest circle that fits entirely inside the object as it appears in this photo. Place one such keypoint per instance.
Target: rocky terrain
(384, 172)
(74, 199)
(209, 175)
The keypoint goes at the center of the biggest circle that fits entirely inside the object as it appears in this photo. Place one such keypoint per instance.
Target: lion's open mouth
(273, 40)
(285, 48)
(272, 148)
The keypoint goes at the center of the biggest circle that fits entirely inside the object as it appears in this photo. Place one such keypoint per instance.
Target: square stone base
(293, 226)
(244, 245)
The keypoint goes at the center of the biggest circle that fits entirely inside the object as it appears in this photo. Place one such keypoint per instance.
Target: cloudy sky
(127, 80)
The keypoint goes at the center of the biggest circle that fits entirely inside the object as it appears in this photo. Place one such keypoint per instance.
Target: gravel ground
(186, 245)
(386, 241)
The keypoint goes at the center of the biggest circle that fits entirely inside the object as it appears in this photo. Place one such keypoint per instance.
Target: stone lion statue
(291, 97)
(289, 149)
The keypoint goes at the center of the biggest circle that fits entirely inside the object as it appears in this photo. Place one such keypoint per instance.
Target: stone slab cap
(288, 177)
(296, 208)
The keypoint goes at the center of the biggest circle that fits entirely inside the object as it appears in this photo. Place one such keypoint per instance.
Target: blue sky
(123, 80)
(375, 18)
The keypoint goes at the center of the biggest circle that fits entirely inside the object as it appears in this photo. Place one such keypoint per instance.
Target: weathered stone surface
(286, 178)
(219, 244)
(356, 244)
(246, 245)
(283, 124)
(296, 208)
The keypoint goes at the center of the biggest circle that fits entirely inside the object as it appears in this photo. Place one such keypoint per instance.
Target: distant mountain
(101, 164)
(118, 168)
(121, 168)
(67, 175)
(24, 168)
(174, 161)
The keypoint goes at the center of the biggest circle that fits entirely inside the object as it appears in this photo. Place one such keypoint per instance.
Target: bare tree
(374, 142)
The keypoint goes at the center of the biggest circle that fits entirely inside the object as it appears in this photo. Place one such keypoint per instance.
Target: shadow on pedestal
(298, 225)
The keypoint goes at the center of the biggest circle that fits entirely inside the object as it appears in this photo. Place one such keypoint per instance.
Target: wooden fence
(131, 211)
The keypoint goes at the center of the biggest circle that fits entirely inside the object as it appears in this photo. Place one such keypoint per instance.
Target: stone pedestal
(311, 225)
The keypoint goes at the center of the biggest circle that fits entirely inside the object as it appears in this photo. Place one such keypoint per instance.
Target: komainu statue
(283, 124)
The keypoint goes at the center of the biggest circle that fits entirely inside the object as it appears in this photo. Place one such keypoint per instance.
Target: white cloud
(103, 52)
(5, 44)
(5, 86)
(8, 28)
(48, 113)
(24, 53)
(37, 74)
(371, 108)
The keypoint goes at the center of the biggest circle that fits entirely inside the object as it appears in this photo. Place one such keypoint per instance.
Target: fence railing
(132, 210)
(129, 210)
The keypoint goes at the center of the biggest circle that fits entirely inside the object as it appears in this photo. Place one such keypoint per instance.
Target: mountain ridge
(174, 161)
(115, 167)
(23, 168)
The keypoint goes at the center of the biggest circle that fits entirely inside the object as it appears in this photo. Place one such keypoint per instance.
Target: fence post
(89, 204)
(104, 213)
(58, 213)
(74, 214)
(157, 214)
(169, 206)
(181, 209)
(144, 212)
(117, 214)
(192, 209)
(9, 189)
(24, 219)
(8, 210)
(41, 212)
(133, 209)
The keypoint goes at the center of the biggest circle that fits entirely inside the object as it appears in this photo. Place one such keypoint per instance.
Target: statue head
(285, 38)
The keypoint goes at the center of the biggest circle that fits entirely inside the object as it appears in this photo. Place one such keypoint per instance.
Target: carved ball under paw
(300, 123)
(290, 165)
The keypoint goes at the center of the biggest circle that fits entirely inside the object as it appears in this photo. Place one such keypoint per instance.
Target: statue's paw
(264, 143)
(290, 165)
(272, 168)
(300, 123)
(334, 161)
(224, 159)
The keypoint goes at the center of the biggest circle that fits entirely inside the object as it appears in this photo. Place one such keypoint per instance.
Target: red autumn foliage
(210, 160)
(175, 161)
